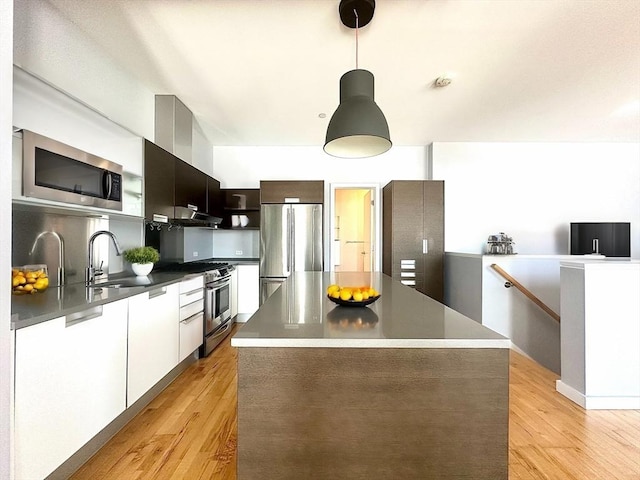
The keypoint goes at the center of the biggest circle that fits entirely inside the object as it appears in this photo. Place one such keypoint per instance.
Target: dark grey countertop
(299, 314)
(55, 302)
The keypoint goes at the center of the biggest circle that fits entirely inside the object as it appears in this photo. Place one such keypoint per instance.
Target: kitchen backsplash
(236, 243)
(74, 228)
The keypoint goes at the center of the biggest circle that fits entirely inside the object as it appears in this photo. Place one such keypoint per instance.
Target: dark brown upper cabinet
(159, 177)
(215, 198)
(292, 191)
(191, 186)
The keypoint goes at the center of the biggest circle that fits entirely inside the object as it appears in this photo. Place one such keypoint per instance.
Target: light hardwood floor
(189, 431)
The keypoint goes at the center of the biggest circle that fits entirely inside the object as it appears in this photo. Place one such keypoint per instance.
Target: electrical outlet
(195, 254)
(238, 252)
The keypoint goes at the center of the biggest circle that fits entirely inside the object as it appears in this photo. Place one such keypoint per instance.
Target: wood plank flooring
(189, 431)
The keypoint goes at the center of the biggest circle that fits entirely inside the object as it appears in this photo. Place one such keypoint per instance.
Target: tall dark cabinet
(413, 234)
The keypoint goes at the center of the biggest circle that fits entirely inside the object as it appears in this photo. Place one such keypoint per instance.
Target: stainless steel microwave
(52, 170)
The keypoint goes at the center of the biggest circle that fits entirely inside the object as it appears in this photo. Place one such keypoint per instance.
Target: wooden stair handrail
(526, 292)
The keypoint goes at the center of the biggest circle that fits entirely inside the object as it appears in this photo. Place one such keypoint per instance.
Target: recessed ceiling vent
(174, 124)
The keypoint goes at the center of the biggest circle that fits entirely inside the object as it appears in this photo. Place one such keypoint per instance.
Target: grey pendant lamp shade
(357, 128)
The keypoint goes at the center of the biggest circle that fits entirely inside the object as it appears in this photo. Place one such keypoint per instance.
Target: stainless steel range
(217, 306)
(217, 299)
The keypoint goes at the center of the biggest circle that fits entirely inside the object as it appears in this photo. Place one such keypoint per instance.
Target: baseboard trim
(597, 403)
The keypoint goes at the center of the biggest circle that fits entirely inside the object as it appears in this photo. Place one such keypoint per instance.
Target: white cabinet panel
(248, 288)
(234, 293)
(191, 334)
(153, 338)
(70, 382)
(191, 316)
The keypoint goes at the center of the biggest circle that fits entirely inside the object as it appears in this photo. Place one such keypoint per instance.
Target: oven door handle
(218, 284)
(222, 330)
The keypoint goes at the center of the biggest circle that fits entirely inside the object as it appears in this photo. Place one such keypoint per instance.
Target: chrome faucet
(93, 272)
(58, 237)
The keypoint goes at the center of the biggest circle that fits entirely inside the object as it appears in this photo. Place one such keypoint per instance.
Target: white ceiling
(259, 72)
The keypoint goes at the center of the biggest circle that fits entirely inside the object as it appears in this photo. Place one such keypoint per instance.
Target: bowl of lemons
(352, 296)
(29, 279)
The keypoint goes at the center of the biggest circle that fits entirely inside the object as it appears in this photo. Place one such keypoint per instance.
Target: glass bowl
(29, 279)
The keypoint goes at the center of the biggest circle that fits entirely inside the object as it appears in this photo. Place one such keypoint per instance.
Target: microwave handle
(107, 184)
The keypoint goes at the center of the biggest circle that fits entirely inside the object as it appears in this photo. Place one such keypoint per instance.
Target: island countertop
(299, 314)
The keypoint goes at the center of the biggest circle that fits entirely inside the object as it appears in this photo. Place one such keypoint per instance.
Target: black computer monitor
(611, 239)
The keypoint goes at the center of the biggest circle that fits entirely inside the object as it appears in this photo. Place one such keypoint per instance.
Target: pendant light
(358, 128)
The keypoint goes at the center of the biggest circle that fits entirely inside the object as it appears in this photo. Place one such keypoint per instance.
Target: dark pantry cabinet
(413, 234)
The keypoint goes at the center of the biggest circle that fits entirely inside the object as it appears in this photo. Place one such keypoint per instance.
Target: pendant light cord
(356, 14)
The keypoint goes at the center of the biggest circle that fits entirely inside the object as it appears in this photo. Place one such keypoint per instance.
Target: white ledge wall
(533, 191)
(474, 289)
(601, 334)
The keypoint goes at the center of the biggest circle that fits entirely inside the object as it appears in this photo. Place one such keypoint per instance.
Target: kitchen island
(403, 388)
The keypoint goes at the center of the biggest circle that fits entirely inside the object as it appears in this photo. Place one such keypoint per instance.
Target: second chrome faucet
(92, 271)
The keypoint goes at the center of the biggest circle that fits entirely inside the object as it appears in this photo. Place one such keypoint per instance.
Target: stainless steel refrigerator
(290, 241)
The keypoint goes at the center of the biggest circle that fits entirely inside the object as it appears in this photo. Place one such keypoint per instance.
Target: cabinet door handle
(79, 317)
(191, 318)
(425, 246)
(158, 292)
(192, 292)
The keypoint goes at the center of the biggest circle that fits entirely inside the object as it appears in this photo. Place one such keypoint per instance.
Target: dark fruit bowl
(353, 303)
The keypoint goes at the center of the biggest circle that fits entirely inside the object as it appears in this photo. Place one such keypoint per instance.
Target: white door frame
(376, 219)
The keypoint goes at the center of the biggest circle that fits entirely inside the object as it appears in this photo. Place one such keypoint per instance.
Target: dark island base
(348, 413)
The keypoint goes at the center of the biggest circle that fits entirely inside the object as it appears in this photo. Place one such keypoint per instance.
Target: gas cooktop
(197, 267)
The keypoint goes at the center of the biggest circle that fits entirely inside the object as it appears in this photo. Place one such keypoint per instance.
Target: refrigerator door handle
(292, 246)
(288, 241)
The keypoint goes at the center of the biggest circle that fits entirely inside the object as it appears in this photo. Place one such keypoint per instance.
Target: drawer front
(190, 309)
(191, 334)
(192, 296)
(190, 284)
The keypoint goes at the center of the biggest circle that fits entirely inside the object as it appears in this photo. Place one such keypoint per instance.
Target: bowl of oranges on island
(29, 279)
(352, 296)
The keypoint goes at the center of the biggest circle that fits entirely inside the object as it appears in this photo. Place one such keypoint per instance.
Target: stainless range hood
(189, 217)
(174, 127)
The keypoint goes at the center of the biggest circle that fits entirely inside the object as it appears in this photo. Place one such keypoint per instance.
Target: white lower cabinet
(70, 382)
(191, 316)
(153, 338)
(234, 293)
(248, 288)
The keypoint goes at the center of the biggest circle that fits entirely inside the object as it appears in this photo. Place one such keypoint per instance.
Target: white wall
(244, 167)
(55, 49)
(533, 191)
(6, 56)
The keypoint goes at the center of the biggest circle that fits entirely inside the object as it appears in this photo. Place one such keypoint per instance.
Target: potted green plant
(141, 259)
